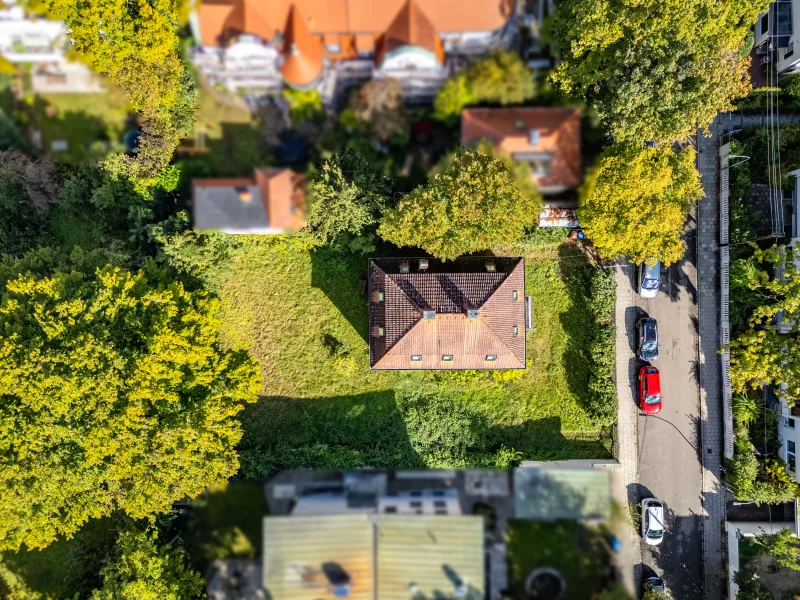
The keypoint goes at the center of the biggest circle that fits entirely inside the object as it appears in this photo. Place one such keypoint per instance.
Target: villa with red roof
(332, 45)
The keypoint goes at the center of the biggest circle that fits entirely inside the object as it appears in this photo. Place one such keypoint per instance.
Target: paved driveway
(669, 463)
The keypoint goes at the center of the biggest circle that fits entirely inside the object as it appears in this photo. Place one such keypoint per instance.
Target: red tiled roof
(450, 290)
(303, 53)
(283, 193)
(218, 20)
(410, 27)
(509, 129)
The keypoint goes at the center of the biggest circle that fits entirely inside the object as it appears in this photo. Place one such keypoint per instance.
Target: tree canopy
(501, 78)
(762, 354)
(655, 69)
(472, 205)
(140, 569)
(115, 396)
(136, 45)
(348, 198)
(639, 203)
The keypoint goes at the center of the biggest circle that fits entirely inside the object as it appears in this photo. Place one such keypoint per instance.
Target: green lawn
(579, 553)
(300, 315)
(91, 124)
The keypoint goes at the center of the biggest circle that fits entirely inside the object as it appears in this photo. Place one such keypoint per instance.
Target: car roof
(656, 516)
(652, 272)
(653, 381)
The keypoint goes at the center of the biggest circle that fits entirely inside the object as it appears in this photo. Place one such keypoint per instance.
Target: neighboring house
(42, 43)
(464, 314)
(775, 31)
(549, 139)
(789, 423)
(256, 46)
(272, 202)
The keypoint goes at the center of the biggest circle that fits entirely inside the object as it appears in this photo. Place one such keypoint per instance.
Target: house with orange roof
(547, 138)
(257, 46)
(272, 202)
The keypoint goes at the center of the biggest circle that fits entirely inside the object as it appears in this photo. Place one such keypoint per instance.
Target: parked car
(649, 279)
(654, 584)
(649, 390)
(652, 521)
(647, 329)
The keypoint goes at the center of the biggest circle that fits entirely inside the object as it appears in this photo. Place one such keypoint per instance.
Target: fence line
(724, 313)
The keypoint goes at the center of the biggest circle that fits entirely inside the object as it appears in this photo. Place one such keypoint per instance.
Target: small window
(416, 357)
(491, 357)
(790, 423)
(438, 493)
(447, 357)
(416, 494)
(515, 331)
(790, 446)
(378, 332)
(390, 509)
(791, 463)
(789, 50)
(441, 511)
(416, 504)
(765, 23)
(439, 503)
(515, 295)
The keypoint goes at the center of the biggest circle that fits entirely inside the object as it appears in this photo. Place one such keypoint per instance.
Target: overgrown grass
(577, 552)
(300, 315)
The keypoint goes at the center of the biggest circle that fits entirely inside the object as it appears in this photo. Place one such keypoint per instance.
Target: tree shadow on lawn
(379, 430)
(337, 275)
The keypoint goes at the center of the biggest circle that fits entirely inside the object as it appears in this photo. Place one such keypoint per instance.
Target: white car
(649, 279)
(652, 521)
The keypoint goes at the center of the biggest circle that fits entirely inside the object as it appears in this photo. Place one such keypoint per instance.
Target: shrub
(603, 295)
(304, 105)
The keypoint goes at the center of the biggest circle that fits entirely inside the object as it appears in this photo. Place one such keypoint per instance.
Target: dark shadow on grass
(337, 275)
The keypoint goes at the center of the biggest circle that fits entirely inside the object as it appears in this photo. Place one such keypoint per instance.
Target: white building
(775, 29)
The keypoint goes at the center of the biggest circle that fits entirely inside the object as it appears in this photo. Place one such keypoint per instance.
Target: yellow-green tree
(140, 569)
(114, 395)
(472, 205)
(639, 203)
(761, 354)
(135, 44)
(655, 69)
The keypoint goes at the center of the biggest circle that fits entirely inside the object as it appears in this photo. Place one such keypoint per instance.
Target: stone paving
(711, 436)
(626, 443)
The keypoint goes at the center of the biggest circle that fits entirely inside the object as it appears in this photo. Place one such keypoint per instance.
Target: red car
(649, 390)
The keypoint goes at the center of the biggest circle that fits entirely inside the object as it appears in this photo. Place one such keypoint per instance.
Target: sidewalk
(627, 446)
(709, 370)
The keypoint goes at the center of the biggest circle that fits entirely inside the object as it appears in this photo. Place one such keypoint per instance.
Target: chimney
(533, 137)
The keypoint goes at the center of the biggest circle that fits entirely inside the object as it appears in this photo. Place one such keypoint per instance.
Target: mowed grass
(300, 315)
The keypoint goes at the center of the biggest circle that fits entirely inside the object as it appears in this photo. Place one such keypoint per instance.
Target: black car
(647, 335)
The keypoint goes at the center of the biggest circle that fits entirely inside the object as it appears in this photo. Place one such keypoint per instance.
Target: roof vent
(491, 357)
(428, 314)
(533, 137)
(423, 264)
(378, 332)
(447, 357)
(491, 266)
(377, 296)
(404, 267)
(473, 313)
(515, 295)
(244, 194)
(416, 357)
(515, 331)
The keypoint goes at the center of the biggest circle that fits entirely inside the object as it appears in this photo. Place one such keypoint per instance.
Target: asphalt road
(669, 463)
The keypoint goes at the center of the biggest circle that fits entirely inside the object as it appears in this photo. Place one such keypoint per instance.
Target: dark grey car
(647, 339)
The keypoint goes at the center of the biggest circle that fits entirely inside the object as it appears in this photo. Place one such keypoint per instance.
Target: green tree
(140, 569)
(379, 106)
(304, 105)
(762, 354)
(639, 203)
(348, 198)
(655, 69)
(115, 396)
(783, 545)
(136, 45)
(501, 78)
(750, 588)
(472, 205)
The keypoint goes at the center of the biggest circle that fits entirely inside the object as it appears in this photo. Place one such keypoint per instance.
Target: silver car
(649, 279)
(653, 521)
